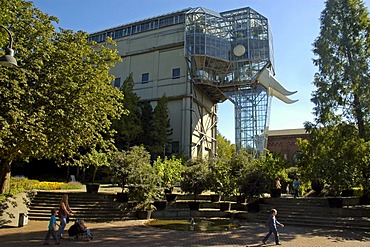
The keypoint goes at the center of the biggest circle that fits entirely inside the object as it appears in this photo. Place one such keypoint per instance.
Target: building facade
(283, 142)
(199, 58)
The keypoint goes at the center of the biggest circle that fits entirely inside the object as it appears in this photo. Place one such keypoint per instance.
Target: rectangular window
(145, 78)
(176, 73)
(117, 82)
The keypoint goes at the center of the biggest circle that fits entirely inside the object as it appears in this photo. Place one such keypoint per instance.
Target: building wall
(192, 113)
(283, 142)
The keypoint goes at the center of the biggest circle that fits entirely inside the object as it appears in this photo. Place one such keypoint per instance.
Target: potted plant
(143, 180)
(96, 159)
(169, 172)
(331, 154)
(240, 162)
(221, 182)
(253, 183)
(194, 180)
(121, 166)
(273, 169)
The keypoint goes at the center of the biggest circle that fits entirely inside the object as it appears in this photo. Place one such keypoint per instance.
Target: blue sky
(294, 23)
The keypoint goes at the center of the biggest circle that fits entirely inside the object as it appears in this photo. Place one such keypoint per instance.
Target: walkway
(135, 233)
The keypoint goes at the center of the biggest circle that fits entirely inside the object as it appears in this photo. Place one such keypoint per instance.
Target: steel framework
(230, 56)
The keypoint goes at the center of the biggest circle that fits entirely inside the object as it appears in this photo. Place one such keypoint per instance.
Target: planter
(92, 188)
(253, 207)
(240, 199)
(275, 193)
(171, 197)
(168, 191)
(144, 215)
(347, 193)
(364, 200)
(122, 197)
(194, 205)
(215, 198)
(335, 202)
(160, 205)
(225, 206)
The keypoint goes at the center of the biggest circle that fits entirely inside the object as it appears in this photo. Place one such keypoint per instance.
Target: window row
(145, 77)
(139, 28)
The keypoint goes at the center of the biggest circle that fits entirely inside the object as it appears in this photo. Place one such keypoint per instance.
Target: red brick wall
(285, 145)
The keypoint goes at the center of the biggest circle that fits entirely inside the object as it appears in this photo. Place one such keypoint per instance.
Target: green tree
(129, 127)
(169, 170)
(240, 162)
(225, 149)
(147, 117)
(60, 98)
(143, 178)
(162, 129)
(332, 156)
(342, 50)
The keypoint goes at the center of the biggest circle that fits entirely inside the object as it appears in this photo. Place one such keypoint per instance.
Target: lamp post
(8, 59)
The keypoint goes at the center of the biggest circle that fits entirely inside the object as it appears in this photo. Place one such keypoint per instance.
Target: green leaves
(60, 98)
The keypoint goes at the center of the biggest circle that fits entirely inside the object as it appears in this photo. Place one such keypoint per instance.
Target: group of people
(63, 213)
(295, 187)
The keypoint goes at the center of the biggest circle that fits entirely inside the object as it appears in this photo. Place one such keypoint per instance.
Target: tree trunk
(94, 175)
(5, 176)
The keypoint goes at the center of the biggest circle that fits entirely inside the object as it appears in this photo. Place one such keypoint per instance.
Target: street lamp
(8, 59)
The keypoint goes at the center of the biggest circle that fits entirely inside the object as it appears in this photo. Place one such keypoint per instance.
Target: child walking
(272, 223)
(52, 229)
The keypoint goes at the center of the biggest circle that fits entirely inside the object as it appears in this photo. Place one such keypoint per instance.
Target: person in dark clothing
(272, 223)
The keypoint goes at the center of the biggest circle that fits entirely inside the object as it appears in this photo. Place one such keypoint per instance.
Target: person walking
(272, 223)
(287, 189)
(277, 184)
(64, 212)
(296, 187)
(52, 229)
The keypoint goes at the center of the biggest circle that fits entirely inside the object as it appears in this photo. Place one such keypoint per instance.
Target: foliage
(330, 156)
(123, 163)
(273, 166)
(147, 117)
(262, 175)
(195, 177)
(162, 129)
(240, 164)
(61, 98)
(129, 127)
(57, 185)
(220, 179)
(144, 180)
(21, 184)
(96, 159)
(342, 94)
(225, 149)
(169, 170)
(133, 168)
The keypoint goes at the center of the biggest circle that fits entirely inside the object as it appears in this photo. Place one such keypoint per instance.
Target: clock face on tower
(239, 50)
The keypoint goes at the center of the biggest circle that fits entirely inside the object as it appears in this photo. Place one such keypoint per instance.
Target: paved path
(136, 233)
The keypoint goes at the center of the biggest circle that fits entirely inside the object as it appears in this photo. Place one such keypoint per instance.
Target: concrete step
(315, 212)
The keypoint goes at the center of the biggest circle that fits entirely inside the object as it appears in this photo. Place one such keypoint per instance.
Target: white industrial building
(199, 58)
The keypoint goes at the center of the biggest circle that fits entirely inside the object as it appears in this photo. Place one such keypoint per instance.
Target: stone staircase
(207, 209)
(104, 207)
(315, 212)
(92, 207)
